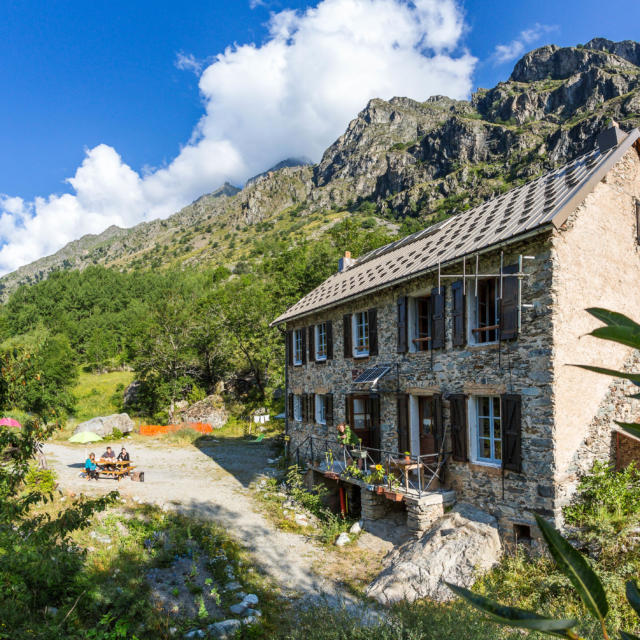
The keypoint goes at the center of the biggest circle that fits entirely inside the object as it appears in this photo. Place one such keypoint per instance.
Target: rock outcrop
(400, 157)
(461, 544)
(104, 425)
(210, 410)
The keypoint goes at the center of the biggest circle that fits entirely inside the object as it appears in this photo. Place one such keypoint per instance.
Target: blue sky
(118, 88)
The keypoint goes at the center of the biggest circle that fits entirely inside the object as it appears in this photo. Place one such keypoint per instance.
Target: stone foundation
(423, 512)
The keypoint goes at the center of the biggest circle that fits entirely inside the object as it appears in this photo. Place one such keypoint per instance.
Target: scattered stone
(99, 537)
(229, 571)
(238, 609)
(419, 568)
(355, 528)
(195, 633)
(251, 599)
(272, 460)
(343, 539)
(233, 586)
(256, 613)
(225, 628)
(211, 411)
(249, 620)
(301, 520)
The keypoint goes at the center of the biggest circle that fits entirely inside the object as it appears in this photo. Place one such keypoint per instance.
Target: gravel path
(212, 482)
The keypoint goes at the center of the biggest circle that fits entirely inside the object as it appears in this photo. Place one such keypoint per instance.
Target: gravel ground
(212, 482)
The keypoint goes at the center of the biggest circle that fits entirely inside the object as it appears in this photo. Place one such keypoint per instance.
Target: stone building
(464, 334)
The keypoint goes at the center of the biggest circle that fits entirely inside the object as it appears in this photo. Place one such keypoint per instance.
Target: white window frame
(297, 407)
(495, 423)
(472, 315)
(360, 322)
(320, 413)
(297, 346)
(320, 330)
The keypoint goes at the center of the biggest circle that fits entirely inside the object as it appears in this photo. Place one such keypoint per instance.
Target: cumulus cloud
(188, 62)
(514, 49)
(291, 95)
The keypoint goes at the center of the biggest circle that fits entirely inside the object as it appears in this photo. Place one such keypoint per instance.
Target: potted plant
(376, 479)
(407, 457)
(359, 452)
(391, 493)
(330, 473)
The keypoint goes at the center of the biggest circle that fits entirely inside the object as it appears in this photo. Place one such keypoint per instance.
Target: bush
(42, 480)
(605, 496)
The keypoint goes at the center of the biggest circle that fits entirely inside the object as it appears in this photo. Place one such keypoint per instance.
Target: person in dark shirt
(109, 453)
(123, 455)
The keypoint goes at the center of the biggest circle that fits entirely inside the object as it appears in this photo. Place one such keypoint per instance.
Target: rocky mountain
(398, 160)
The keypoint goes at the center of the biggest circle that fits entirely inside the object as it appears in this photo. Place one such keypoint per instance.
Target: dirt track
(211, 482)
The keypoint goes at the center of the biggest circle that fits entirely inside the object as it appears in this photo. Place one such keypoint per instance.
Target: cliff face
(407, 158)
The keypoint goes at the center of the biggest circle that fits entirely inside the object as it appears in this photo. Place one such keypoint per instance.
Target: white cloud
(514, 49)
(289, 96)
(188, 62)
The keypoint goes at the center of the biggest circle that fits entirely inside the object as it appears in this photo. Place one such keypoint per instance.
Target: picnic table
(114, 468)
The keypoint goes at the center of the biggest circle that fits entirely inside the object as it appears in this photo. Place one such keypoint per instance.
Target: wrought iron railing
(407, 474)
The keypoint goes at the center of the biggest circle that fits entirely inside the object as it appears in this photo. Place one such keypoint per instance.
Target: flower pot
(379, 489)
(358, 453)
(332, 475)
(407, 459)
(393, 496)
(371, 487)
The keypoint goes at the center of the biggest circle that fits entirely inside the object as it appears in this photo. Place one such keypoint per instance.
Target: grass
(100, 394)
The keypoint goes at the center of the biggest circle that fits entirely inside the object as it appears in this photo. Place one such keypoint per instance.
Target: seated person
(123, 455)
(90, 467)
(109, 454)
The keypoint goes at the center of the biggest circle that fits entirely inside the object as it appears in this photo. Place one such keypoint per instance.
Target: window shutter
(457, 294)
(403, 422)
(347, 336)
(312, 407)
(372, 317)
(290, 407)
(328, 409)
(511, 418)
(374, 408)
(402, 324)
(304, 408)
(458, 403)
(312, 343)
(437, 318)
(509, 305)
(348, 405)
(329, 340)
(290, 347)
(304, 345)
(438, 427)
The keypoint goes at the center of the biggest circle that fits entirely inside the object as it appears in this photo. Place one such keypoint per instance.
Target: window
(321, 341)
(421, 323)
(361, 414)
(488, 440)
(321, 413)
(360, 334)
(484, 312)
(297, 346)
(297, 408)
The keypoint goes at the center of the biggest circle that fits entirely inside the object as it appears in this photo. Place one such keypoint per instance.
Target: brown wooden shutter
(312, 407)
(290, 407)
(347, 336)
(303, 407)
(458, 404)
(372, 318)
(312, 343)
(402, 324)
(457, 295)
(329, 340)
(437, 318)
(328, 409)
(511, 419)
(290, 348)
(509, 304)
(403, 422)
(348, 406)
(303, 331)
(374, 411)
(438, 426)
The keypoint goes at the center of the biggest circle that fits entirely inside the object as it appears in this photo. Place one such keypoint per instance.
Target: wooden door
(360, 418)
(426, 413)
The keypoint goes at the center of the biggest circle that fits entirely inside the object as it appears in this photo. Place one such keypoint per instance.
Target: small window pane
(496, 407)
(485, 448)
(484, 427)
(498, 448)
(483, 407)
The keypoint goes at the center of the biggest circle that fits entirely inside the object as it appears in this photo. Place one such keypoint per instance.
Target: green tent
(84, 437)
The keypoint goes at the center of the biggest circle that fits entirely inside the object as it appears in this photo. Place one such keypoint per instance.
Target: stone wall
(627, 450)
(522, 366)
(596, 261)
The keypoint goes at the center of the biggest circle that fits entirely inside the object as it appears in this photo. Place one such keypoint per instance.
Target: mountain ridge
(399, 161)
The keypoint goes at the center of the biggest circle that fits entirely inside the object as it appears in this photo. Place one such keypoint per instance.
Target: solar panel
(373, 374)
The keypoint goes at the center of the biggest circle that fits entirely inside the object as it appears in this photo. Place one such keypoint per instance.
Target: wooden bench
(119, 470)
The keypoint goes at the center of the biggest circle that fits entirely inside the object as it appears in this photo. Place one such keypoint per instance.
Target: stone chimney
(610, 137)
(346, 262)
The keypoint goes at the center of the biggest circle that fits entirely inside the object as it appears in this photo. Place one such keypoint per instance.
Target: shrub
(42, 480)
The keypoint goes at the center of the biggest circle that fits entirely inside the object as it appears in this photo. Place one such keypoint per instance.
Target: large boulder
(461, 544)
(104, 425)
(210, 410)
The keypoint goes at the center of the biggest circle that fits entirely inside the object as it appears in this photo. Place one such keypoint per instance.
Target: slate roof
(543, 202)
